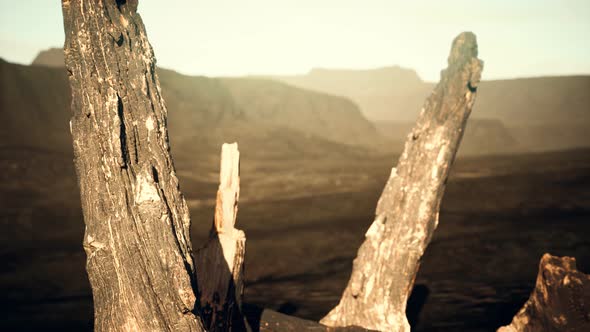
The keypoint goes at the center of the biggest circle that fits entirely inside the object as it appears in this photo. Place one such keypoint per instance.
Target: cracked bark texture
(407, 212)
(137, 222)
(220, 263)
(559, 302)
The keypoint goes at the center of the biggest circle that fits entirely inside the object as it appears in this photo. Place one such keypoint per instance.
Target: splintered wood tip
(229, 188)
(230, 164)
(463, 49)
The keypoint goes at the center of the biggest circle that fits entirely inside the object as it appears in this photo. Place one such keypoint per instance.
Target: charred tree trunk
(559, 302)
(137, 222)
(407, 212)
(220, 263)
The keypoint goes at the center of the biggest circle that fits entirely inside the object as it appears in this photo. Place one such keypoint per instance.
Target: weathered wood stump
(137, 238)
(560, 301)
(407, 212)
(220, 269)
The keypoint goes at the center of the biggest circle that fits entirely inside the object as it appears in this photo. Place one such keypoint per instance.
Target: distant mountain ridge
(541, 113)
(203, 112)
(405, 92)
(306, 113)
(374, 90)
(52, 57)
(350, 81)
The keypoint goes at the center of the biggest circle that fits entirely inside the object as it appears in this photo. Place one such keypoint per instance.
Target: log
(220, 270)
(559, 302)
(407, 212)
(139, 255)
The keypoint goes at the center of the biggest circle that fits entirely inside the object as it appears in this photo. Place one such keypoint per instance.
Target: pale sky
(260, 37)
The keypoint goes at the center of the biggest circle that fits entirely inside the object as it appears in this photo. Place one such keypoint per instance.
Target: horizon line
(327, 68)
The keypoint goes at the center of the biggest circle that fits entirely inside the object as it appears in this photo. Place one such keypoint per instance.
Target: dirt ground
(304, 219)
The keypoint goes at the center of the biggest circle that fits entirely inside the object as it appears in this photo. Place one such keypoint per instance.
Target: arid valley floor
(304, 218)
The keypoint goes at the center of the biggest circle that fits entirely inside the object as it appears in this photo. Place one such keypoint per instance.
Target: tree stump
(407, 212)
(560, 301)
(137, 241)
(220, 270)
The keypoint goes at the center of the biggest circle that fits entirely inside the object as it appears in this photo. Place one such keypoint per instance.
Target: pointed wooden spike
(407, 212)
(220, 262)
(228, 194)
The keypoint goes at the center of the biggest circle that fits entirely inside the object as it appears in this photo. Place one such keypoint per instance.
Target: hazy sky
(239, 37)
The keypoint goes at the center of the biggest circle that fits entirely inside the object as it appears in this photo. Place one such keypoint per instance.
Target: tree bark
(407, 212)
(137, 222)
(559, 302)
(222, 258)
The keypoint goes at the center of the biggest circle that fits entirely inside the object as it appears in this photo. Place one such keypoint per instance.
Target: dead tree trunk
(407, 212)
(559, 302)
(137, 222)
(220, 270)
